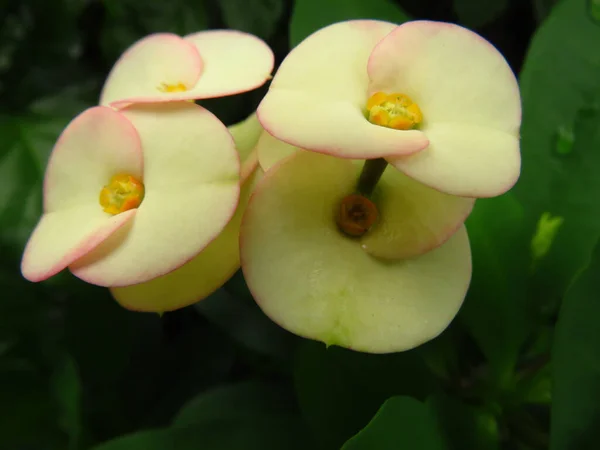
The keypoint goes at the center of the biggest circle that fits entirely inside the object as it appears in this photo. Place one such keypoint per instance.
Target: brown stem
(370, 175)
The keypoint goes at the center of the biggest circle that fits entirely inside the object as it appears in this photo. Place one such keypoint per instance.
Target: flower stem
(370, 175)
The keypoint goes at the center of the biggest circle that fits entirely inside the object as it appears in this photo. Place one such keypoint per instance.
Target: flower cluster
(343, 198)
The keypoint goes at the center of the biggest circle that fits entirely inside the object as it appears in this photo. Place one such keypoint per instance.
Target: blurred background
(79, 372)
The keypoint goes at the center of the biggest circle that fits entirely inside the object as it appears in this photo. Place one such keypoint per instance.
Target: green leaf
(45, 35)
(258, 17)
(576, 365)
(262, 432)
(594, 10)
(245, 323)
(574, 191)
(21, 171)
(311, 15)
(67, 392)
(402, 422)
(476, 14)
(237, 401)
(561, 93)
(135, 372)
(542, 8)
(130, 20)
(26, 145)
(495, 311)
(464, 426)
(339, 391)
(28, 411)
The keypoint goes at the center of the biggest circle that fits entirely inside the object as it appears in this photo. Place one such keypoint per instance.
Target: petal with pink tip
(413, 218)
(96, 145)
(459, 80)
(148, 67)
(191, 176)
(234, 62)
(318, 97)
(196, 279)
(315, 282)
(64, 236)
(465, 160)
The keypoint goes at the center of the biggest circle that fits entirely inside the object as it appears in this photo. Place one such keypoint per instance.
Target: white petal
(96, 145)
(316, 282)
(234, 62)
(318, 97)
(64, 236)
(465, 160)
(196, 279)
(191, 177)
(470, 102)
(142, 71)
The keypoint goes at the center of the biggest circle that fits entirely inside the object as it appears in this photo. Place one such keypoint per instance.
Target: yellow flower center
(395, 111)
(122, 193)
(179, 87)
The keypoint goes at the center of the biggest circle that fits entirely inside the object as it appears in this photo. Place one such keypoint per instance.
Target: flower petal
(453, 74)
(96, 145)
(234, 62)
(196, 279)
(191, 178)
(147, 66)
(320, 284)
(413, 218)
(465, 160)
(318, 97)
(64, 236)
(458, 79)
(245, 135)
(270, 150)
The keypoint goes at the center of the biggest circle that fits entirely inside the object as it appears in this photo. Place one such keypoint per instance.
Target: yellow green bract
(318, 283)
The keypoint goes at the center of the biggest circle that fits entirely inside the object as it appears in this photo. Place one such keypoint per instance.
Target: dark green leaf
(311, 15)
(339, 391)
(402, 422)
(237, 401)
(27, 417)
(43, 35)
(67, 393)
(243, 320)
(135, 373)
(576, 365)
(542, 8)
(495, 309)
(26, 146)
(21, 171)
(262, 432)
(476, 14)
(573, 190)
(560, 90)
(130, 20)
(258, 17)
(463, 426)
(594, 10)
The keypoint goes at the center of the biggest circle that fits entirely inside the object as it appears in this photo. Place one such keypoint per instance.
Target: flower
(216, 263)
(436, 100)
(318, 282)
(413, 218)
(134, 194)
(164, 67)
